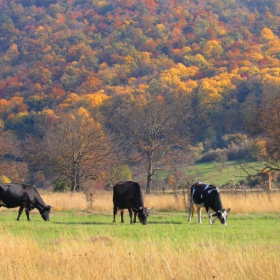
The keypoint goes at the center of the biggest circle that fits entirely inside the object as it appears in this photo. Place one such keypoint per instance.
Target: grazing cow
(128, 195)
(23, 196)
(208, 196)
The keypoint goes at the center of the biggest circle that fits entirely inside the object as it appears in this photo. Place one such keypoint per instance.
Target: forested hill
(59, 54)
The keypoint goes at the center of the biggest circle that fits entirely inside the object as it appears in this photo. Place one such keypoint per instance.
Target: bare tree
(76, 149)
(156, 130)
(264, 127)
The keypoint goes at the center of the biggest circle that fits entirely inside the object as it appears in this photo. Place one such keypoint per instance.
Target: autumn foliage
(57, 56)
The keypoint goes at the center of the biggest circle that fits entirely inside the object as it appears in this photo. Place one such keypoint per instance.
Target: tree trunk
(74, 179)
(73, 185)
(149, 177)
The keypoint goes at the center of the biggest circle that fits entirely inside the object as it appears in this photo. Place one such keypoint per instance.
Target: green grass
(213, 173)
(209, 172)
(162, 228)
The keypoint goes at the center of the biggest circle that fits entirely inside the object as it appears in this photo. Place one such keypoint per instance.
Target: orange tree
(74, 149)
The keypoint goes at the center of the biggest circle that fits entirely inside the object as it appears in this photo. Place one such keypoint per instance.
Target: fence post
(266, 181)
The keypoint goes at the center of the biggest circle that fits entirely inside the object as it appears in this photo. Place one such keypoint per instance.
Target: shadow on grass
(113, 224)
(83, 223)
(165, 223)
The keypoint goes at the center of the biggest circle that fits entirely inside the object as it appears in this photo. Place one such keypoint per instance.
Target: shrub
(61, 186)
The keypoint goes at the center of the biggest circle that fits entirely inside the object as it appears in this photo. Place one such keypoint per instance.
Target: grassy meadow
(208, 172)
(80, 242)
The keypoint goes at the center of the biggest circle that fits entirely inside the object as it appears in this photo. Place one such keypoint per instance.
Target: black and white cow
(25, 197)
(128, 195)
(208, 196)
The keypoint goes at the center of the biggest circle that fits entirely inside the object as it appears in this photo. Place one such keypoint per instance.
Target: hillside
(63, 54)
(81, 80)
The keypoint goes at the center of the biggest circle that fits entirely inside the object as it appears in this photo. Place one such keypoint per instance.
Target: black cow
(128, 195)
(23, 196)
(208, 196)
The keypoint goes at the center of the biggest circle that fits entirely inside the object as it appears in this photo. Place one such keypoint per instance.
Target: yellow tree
(211, 91)
(95, 99)
(72, 100)
(213, 95)
(212, 48)
(176, 80)
(267, 34)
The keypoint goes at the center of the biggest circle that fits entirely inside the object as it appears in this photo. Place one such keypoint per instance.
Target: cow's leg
(209, 217)
(134, 219)
(27, 214)
(211, 221)
(122, 210)
(20, 211)
(130, 214)
(115, 209)
(214, 219)
(199, 208)
(190, 210)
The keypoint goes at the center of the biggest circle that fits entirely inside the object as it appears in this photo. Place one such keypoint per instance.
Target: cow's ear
(228, 210)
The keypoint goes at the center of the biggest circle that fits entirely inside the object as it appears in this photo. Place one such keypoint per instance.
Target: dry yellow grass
(243, 202)
(103, 258)
(250, 202)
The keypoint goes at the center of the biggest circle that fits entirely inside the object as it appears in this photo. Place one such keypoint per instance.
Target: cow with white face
(208, 196)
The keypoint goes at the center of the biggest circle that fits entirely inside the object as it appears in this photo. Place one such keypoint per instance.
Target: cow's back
(14, 194)
(207, 195)
(127, 195)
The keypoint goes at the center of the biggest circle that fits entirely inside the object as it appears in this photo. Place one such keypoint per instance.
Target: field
(230, 173)
(209, 172)
(82, 242)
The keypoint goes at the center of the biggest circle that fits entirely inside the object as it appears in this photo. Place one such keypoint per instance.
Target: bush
(210, 155)
(233, 152)
(61, 186)
(253, 181)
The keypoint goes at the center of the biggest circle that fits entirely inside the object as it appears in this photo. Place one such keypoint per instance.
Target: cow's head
(143, 214)
(222, 215)
(45, 212)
